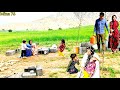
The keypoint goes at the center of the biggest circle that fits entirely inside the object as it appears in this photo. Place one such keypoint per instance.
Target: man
(99, 30)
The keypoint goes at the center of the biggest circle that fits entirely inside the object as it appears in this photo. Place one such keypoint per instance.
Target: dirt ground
(54, 66)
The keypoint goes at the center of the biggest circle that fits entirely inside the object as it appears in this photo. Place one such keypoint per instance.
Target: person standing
(114, 34)
(99, 30)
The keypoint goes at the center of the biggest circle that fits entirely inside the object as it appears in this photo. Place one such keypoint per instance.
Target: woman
(114, 34)
(90, 65)
(29, 51)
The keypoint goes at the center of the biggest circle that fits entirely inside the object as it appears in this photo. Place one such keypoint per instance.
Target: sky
(24, 17)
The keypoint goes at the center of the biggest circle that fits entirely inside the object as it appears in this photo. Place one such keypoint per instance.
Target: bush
(10, 30)
(60, 28)
(50, 29)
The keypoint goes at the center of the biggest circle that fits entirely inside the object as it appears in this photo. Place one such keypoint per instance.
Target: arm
(95, 26)
(25, 46)
(106, 25)
(84, 59)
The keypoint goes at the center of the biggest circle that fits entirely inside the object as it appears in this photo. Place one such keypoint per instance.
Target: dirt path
(54, 66)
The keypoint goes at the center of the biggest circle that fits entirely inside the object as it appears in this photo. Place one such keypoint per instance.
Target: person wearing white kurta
(97, 69)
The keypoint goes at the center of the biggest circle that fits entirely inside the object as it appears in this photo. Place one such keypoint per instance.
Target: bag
(90, 68)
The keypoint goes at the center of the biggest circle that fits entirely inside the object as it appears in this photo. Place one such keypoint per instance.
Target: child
(61, 48)
(71, 67)
(23, 48)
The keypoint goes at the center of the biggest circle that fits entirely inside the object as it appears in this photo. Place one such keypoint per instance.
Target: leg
(22, 52)
(103, 42)
(98, 41)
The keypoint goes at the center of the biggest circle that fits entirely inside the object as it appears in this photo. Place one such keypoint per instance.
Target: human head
(63, 41)
(24, 41)
(73, 56)
(114, 17)
(101, 15)
(90, 50)
(30, 42)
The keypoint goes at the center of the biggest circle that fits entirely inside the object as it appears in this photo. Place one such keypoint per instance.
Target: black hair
(29, 42)
(24, 41)
(73, 56)
(90, 56)
(113, 17)
(101, 14)
(91, 49)
(63, 41)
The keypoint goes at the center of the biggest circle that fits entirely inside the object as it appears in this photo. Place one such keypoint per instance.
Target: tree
(79, 15)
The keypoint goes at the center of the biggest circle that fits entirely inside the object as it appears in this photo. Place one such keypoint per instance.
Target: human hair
(29, 42)
(90, 56)
(72, 56)
(63, 41)
(101, 14)
(113, 17)
(24, 41)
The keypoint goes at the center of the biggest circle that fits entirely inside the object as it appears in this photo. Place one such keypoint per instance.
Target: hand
(110, 34)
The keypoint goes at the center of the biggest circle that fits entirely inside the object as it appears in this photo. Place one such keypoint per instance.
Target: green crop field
(12, 40)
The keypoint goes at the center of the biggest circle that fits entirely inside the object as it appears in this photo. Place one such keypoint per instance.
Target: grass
(13, 40)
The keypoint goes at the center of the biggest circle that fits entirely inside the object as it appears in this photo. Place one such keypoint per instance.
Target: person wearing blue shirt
(99, 30)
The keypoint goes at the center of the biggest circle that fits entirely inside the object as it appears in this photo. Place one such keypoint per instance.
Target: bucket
(76, 49)
(92, 39)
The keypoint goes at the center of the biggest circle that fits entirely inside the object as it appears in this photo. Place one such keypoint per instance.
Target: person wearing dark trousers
(23, 49)
(100, 23)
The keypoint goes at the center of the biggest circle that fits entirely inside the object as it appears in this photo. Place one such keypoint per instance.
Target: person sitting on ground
(29, 51)
(61, 48)
(34, 51)
(71, 67)
(90, 64)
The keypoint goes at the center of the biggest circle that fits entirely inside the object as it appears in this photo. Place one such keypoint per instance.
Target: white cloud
(24, 17)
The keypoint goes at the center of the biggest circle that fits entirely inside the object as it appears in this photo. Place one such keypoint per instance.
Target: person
(114, 34)
(29, 51)
(90, 67)
(34, 50)
(71, 66)
(23, 49)
(99, 30)
(61, 48)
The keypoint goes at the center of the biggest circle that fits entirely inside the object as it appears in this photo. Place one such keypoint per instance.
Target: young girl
(71, 67)
(90, 64)
(23, 48)
(61, 48)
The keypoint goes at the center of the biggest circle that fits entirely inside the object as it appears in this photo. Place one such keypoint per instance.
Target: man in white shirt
(23, 48)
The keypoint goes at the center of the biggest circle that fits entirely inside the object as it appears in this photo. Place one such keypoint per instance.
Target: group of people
(90, 61)
(114, 35)
(28, 49)
(89, 65)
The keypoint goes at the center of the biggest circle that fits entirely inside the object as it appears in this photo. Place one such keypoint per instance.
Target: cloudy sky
(24, 17)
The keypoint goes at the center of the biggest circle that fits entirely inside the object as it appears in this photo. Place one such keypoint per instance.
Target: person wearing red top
(114, 34)
(61, 47)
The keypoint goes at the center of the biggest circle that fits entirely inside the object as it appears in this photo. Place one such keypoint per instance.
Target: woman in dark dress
(114, 34)
(71, 67)
(29, 51)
